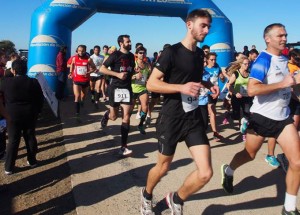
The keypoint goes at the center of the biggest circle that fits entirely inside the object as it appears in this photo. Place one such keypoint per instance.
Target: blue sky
(249, 18)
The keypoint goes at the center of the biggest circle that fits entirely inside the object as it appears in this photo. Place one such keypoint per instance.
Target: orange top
(293, 67)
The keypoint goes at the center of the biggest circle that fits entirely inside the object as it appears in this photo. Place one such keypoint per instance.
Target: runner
(139, 79)
(96, 77)
(270, 83)
(181, 66)
(80, 69)
(122, 66)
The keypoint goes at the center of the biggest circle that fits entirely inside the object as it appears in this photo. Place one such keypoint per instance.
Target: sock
(177, 199)
(97, 97)
(147, 195)
(229, 171)
(290, 202)
(93, 92)
(124, 133)
(77, 107)
(143, 117)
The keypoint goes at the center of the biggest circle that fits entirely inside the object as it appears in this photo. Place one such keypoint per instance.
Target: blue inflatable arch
(53, 22)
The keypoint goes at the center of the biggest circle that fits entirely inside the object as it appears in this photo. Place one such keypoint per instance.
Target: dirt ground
(45, 189)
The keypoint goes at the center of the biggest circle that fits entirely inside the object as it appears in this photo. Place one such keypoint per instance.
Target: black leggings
(237, 103)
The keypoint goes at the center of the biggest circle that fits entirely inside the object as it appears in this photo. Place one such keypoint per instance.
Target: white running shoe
(125, 151)
(146, 206)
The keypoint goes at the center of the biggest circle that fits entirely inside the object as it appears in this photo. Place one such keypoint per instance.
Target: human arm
(256, 87)
(155, 84)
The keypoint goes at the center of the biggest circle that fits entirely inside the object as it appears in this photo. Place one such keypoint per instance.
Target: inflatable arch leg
(53, 22)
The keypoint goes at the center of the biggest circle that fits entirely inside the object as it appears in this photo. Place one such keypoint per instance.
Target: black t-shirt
(120, 62)
(180, 65)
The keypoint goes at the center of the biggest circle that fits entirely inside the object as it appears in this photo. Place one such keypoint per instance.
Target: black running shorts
(170, 131)
(267, 127)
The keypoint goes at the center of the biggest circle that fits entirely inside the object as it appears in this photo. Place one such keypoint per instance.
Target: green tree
(7, 46)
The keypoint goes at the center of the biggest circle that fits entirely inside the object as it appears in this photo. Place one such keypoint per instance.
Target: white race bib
(204, 91)
(81, 70)
(122, 95)
(189, 103)
(142, 81)
(243, 90)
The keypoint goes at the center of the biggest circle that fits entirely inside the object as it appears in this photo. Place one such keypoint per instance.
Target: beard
(198, 38)
(128, 47)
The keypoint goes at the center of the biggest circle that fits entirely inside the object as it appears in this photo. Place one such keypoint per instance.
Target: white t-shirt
(269, 69)
(98, 61)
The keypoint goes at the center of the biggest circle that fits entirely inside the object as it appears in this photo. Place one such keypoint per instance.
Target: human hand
(191, 88)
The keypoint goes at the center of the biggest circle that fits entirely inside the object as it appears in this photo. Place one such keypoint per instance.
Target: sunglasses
(141, 52)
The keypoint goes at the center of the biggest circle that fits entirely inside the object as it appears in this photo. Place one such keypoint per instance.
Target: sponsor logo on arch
(46, 69)
(169, 1)
(76, 4)
(46, 40)
(220, 47)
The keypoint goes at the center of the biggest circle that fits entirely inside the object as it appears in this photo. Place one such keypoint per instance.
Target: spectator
(61, 72)
(23, 100)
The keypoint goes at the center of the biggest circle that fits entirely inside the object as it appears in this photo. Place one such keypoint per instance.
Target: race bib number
(122, 95)
(189, 103)
(204, 91)
(214, 80)
(81, 70)
(243, 90)
(142, 81)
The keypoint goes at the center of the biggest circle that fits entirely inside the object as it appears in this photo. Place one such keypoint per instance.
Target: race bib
(142, 81)
(214, 80)
(189, 103)
(243, 90)
(81, 70)
(122, 95)
(204, 91)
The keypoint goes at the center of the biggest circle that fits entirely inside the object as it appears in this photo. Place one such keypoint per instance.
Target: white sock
(290, 202)
(229, 171)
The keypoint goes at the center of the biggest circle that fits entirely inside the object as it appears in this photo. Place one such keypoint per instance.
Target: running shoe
(284, 163)
(104, 119)
(217, 136)
(225, 121)
(8, 172)
(295, 212)
(176, 209)
(138, 116)
(32, 165)
(272, 161)
(227, 181)
(124, 151)
(244, 125)
(146, 206)
(141, 129)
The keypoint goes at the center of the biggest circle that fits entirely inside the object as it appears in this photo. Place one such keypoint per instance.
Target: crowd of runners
(259, 91)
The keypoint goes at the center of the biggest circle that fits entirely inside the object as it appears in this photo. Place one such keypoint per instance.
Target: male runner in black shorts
(181, 67)
(122, 66)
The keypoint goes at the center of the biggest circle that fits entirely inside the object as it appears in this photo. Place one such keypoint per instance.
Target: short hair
(253, 51)
(63, 48)
(81, 46)
(97, 47)
(19, 66)
(167, 45)
(105, 46)
(211, 54)
(270, 27)
(121, 38)
(138, 44)
(198, 13)
(141, 48)
(205, 47)
(294, 53)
